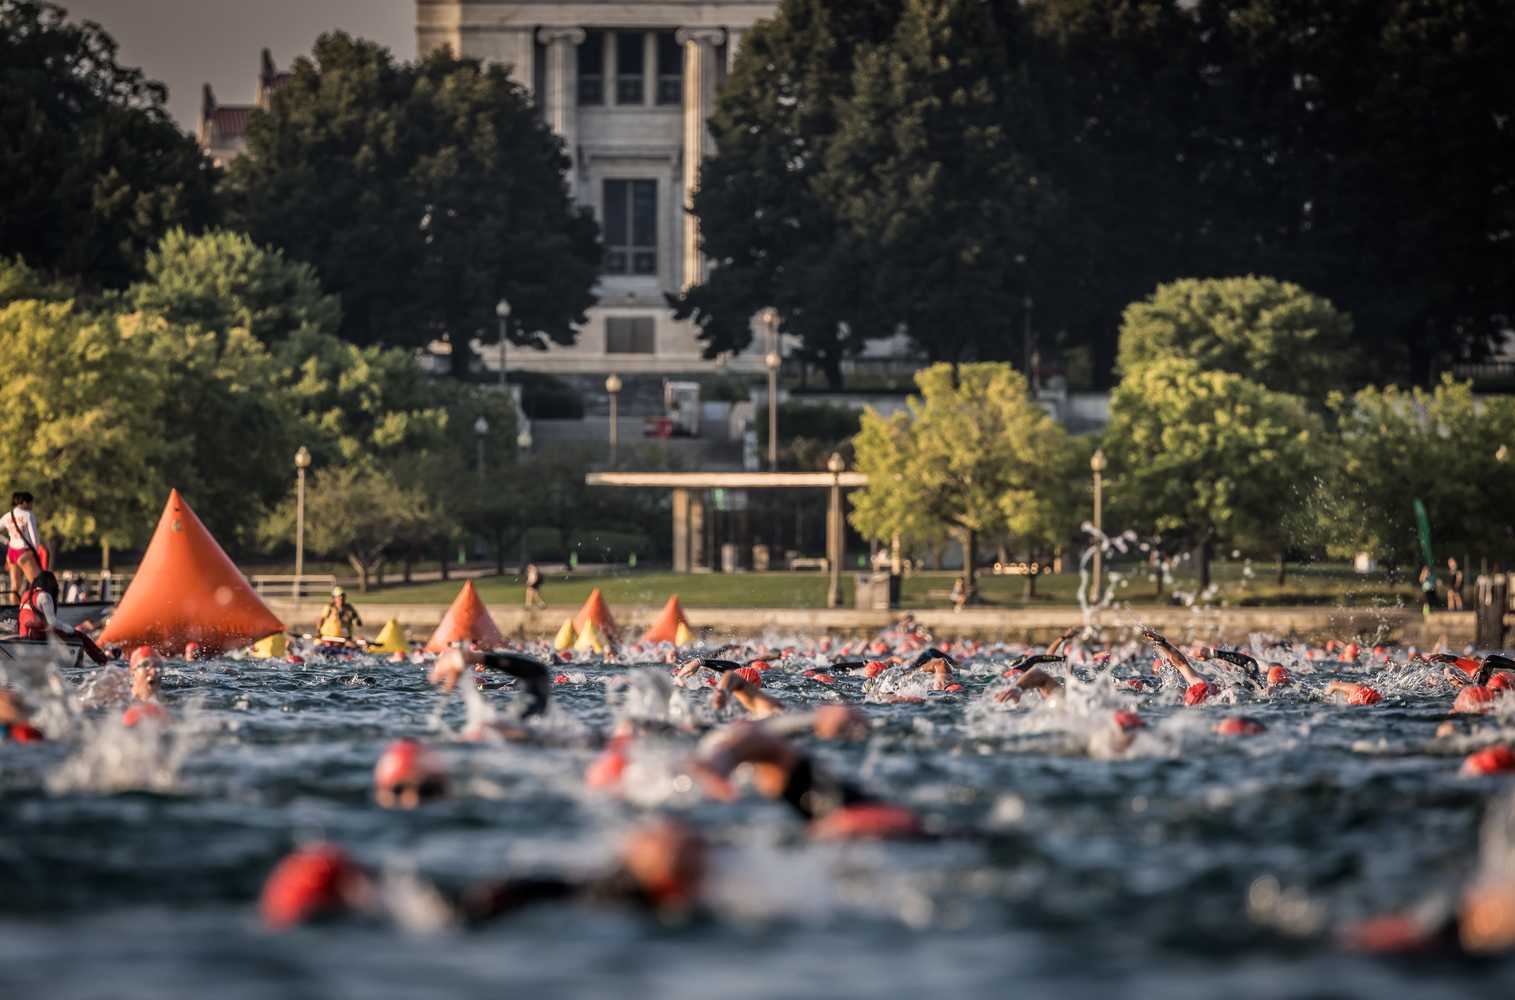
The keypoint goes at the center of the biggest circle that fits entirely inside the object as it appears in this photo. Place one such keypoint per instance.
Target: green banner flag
(1423, 523)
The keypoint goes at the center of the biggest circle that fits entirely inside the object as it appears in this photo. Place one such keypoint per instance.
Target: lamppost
(302, 462)
(613, 388)
(770, 320)
(480, 429)
(1097, 466)
(1030, 304)
(835, 466)
(502, 310)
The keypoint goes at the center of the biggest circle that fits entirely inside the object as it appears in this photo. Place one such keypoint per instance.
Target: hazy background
(186, 43)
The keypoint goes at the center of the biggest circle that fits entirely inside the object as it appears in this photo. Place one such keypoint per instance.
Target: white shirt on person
(43, 602)
(22, 527)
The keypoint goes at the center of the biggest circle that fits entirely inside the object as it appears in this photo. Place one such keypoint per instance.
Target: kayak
(70, 614)
(31, 658)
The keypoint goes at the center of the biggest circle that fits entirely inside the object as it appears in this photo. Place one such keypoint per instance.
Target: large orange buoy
(595, 610)
(666, 628)
(466, 621)
(188, 590)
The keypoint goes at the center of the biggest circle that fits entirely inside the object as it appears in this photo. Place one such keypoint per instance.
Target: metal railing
(291, 586)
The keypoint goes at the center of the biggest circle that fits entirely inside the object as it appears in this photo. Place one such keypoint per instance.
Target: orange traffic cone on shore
(187, 589)
(666, 628)
(595, 610)
(466, 621)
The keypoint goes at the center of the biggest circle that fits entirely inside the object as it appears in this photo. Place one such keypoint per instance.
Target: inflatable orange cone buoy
(188, 590)
(666, 628)
(595, 610)
(467, 620)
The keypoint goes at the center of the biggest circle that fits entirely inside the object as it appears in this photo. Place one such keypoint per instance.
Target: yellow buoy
(272, 648)
(589, 640)
(682, 636)
(566, 636)
(391, 639)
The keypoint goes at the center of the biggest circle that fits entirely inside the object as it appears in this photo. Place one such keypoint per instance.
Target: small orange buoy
(1492, 760)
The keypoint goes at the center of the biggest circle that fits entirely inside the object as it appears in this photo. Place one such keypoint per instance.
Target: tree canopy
(423, 193)
(92, 169)
(1270, 331)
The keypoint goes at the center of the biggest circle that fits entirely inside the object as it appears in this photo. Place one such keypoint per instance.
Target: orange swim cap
(1501, 682)
(1474, 699)
(1238, 725)
(1364, 695)
(1128, 721)
(1278, 676)
(751, 675)
(868, 821)
(307, 884)
(874, 668)
(191, 650)
(139, 654)
(1196, 693)
(1493, 760)
(404, 765)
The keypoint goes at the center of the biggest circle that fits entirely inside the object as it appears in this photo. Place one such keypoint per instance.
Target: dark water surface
(1194, 866)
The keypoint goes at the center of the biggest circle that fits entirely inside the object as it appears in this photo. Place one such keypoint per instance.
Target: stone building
(223, 127)
(628, 85)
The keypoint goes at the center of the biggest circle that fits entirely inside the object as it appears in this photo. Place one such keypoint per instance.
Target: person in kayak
(38, 618)
(340, 619)
(23, 556)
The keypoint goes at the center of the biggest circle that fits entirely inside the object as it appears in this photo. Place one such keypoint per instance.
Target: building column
(733, 46)
(697, 531)
(560, 105)
(681, 531)
(699, 101)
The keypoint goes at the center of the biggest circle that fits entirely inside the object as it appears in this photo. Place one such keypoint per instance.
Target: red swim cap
(1364, 695)
(1279, 676)
(1351, 651)
(868, 821)
(560, 679)
(759, 665)
(1238, 726)
(750, 675)
(139, 654)
(143, 711)
(1467, 665)
(23, 732)
(874, 668)
(1128, 721)
(1473, 699)
(191, 650)
(605, 770)
(1501, 682)
(1196, 693)
(1493, 760)
(308, 883)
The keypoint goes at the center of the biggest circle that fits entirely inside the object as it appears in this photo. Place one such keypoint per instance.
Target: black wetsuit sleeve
(1241, 660)
(932, 654)
(499, 899)
(723, 666)
(532, 673)
(814, 794)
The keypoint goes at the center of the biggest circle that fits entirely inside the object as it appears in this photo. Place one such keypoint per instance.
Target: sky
(186, 43)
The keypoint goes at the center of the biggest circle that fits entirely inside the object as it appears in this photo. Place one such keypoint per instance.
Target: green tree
(930, 168)
(423, 193)
(18, 281)
(1270, 331)
(92, 169)
(975, 456)
(220, 280)
(775, 240)
(352, 512)
(1445, 447)
(1204, 457)
(81, 428)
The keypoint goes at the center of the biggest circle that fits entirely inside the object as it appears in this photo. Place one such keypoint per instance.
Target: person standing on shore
(1454, 586)
(534, 587)
(23, 559)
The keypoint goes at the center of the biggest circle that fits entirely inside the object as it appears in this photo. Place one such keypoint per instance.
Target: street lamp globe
(769, 318)
(502, 309)
(773, 361)
(481, 426)
(1097, 461)
(302, 458)
(835, 464)
(613, 383)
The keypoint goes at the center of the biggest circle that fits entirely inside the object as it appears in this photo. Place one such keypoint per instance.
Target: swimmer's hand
(448, 669)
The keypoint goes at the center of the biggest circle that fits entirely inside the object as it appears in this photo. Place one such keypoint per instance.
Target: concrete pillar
(560, 105)
(699, 101)
(834, 537)
(733, 46)
(698, 559)
(681, 531)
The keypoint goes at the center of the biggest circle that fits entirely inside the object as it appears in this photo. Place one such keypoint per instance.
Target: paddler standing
(340, 619)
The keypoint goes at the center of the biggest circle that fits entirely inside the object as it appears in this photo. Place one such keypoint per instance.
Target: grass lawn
(1238, 585)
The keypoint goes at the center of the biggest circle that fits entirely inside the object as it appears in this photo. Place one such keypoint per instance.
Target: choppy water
(1194, 866)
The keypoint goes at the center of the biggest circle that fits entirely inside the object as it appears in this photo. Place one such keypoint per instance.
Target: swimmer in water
(15, 719)
(448, 670)
(408, 774)
(660, 869)
(1199, 689)
(833, 808)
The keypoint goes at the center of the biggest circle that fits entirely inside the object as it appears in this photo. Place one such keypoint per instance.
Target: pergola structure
(690, 489)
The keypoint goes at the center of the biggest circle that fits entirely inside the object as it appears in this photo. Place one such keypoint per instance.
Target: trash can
(1493, 598)
(876, 591)
(760, 558)
(729, 562)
